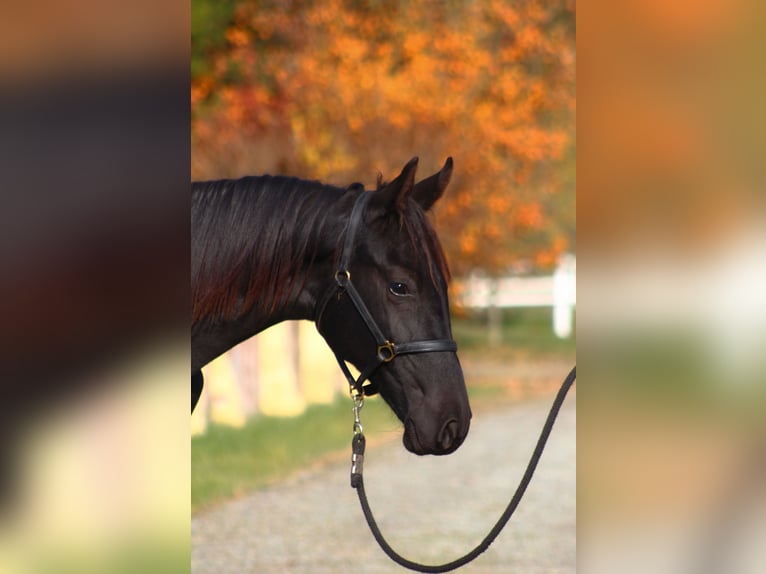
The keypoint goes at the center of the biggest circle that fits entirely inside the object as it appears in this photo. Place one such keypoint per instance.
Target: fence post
(563, 296)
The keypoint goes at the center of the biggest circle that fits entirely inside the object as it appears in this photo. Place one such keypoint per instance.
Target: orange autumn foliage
(338, 90)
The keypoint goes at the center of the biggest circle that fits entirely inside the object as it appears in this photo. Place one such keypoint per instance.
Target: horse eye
(399, 289)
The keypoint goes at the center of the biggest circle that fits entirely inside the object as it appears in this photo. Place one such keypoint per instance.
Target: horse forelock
(424, 241)
(422, 237)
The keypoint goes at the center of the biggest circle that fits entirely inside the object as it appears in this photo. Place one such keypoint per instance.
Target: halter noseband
(387, 350)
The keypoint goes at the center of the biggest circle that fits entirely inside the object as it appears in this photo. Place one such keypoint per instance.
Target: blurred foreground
(94, 267)
(102, 483)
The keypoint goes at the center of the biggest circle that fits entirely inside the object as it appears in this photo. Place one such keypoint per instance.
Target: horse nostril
(448, 435)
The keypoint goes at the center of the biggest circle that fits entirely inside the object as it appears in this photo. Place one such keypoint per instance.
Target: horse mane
(241, 269)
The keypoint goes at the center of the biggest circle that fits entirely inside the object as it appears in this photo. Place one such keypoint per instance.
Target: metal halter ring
(386, 352)
(342, 278)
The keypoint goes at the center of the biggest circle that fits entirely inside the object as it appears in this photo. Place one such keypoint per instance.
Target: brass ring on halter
(386, 352)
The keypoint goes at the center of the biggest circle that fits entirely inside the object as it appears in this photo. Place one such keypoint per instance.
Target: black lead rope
(357, 482)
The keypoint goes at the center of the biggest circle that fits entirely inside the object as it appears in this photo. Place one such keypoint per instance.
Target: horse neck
(273, 267)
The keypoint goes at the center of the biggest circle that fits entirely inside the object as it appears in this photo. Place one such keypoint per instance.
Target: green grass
(229, 462)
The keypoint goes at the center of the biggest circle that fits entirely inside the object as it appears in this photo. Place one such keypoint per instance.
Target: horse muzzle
(440, 439)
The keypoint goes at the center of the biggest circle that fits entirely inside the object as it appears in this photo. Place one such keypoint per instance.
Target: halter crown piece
(387, 350)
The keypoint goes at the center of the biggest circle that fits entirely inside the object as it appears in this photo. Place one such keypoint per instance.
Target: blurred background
(341, 91)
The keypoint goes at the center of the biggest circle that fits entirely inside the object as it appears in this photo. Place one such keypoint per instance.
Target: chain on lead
(358, 399)
(358, 443)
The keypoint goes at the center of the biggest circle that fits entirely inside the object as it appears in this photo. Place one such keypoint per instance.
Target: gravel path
(431, 509)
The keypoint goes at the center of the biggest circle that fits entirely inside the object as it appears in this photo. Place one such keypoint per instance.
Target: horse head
(400, 275)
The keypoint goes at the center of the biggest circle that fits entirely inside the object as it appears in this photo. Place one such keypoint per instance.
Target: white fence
(558, 291)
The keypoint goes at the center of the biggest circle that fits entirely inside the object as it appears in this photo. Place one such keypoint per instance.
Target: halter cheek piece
(387, 350)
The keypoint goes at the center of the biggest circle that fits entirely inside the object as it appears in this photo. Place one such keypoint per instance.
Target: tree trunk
(494, 317)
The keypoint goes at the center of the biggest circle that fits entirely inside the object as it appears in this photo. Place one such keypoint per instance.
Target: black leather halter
(387, 350)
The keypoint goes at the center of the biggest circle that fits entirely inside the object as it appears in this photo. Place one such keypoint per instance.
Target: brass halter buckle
(386, 352)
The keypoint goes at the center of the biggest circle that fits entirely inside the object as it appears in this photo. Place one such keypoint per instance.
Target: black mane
(272, 229)
(272, 225)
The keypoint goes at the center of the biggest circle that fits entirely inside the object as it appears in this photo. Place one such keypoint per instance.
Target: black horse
(266, 249)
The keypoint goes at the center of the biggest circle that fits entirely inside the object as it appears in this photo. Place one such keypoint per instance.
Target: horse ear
(394, 195)
(429, 190)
